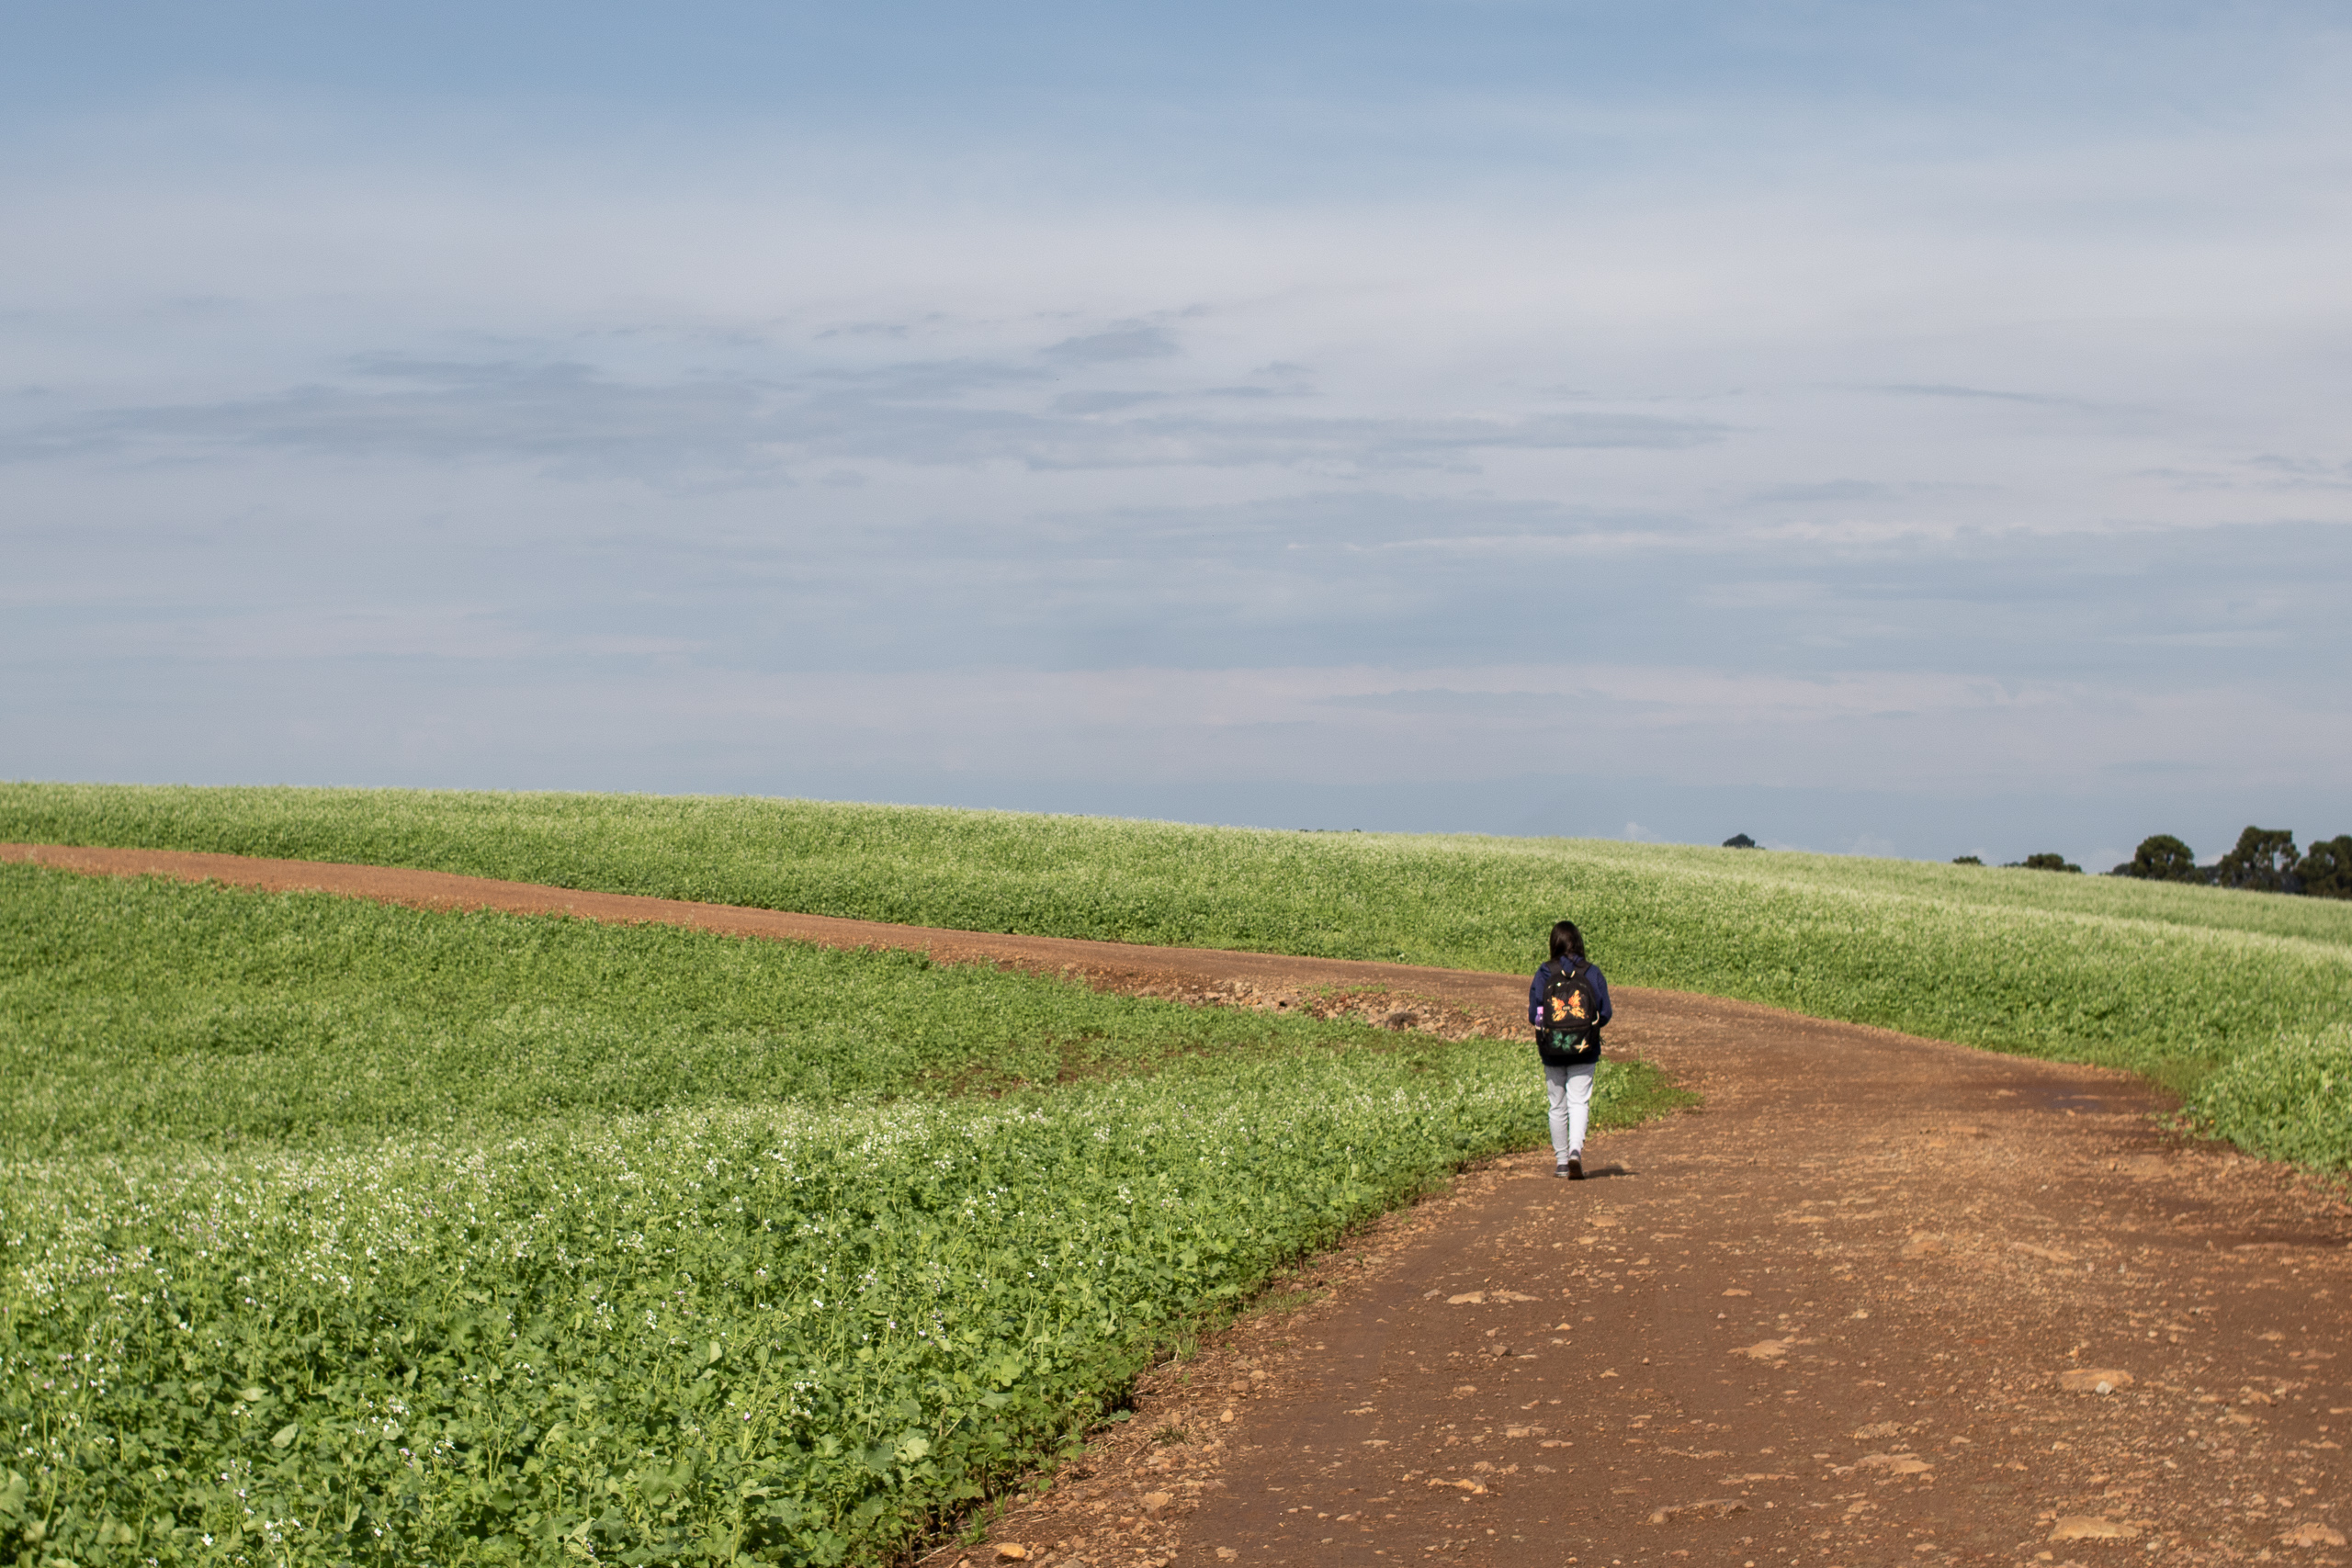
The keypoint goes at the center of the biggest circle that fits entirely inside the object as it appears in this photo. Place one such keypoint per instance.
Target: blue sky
(1887, 430)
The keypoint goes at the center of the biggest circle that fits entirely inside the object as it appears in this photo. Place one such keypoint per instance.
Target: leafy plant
(2077, 967)
(338, 1234)
(2288, 1099)
(761, 1333)
(135, 1013)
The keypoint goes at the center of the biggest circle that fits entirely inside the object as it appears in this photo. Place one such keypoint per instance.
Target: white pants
(1570, 1090)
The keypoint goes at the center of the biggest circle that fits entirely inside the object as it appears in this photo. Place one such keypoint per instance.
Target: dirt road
(1883, 1301)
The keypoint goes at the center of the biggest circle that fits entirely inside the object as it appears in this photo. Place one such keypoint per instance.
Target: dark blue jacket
(1591, 973)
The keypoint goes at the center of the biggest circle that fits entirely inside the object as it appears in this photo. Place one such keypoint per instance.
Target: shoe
(1566, 1171)
(1574, 1170)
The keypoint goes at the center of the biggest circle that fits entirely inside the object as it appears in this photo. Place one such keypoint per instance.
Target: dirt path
(1859, 1311)
(1203, 974)
(1885, 1301)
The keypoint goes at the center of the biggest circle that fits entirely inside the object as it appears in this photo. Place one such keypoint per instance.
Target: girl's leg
(1578, 1092)
(1555, 1089)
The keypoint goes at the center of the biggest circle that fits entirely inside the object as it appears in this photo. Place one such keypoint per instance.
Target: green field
(2163, 978)
(336, 1233)
(144, 1012)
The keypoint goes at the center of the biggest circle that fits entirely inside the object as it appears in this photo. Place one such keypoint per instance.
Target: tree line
(2264, 860)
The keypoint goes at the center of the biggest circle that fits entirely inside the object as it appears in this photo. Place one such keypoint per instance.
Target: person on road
(1568, 1002)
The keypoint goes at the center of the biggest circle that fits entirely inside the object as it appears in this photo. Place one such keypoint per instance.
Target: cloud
(465, 635)
(562, 418)
(571, 421)
(1128, 341)
(1892, 425)
(1103, 401)
(1833, 491)
(1986, 394)
(1947, 733)
(2303, 473)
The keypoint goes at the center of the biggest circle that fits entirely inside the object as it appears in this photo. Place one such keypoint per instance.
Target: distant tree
(1739, 841)
(2264, 861)
(2161, 858)
(1968, 860)
(2046, 862)
(2325, 870)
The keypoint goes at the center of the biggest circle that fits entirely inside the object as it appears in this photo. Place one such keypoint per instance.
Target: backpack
(1570, 1035)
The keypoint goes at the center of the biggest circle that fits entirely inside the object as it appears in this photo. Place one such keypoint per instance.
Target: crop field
(2169, 980)
(143, 1013)
(335, 1233)
(2290, 1097)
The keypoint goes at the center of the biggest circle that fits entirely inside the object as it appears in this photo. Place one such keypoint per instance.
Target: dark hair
(1567, 939)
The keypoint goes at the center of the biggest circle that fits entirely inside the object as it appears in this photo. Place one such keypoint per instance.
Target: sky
(1909, 431)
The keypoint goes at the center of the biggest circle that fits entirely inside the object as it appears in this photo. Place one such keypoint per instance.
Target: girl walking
(1568, 1002)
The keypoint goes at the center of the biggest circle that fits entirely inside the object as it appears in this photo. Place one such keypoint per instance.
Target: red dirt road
(1883, 1301)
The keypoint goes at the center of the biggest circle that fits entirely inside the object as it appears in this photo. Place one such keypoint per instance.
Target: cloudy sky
(1898, 430)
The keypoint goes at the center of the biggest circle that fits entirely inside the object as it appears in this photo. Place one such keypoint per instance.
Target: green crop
(2166, 979)
(697, 1315)
(134, 1012)
(339, 1233)
(2288, 1099)
(765, 1332)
